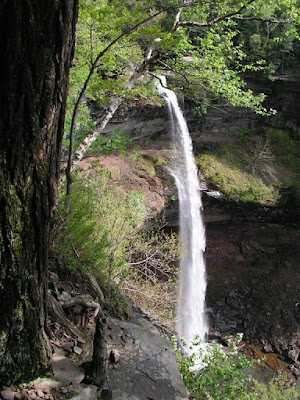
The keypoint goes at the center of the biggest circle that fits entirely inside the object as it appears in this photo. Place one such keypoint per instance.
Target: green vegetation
(275, 45)
(253, 167)
(102, 220)
(145, 168)
(277, 389)
(226, 375)
(285, 149)
(229, 174)
(98, 231)
(114, 141)
(207, 48)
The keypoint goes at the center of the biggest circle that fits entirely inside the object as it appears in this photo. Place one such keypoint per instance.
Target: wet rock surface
(145, 367)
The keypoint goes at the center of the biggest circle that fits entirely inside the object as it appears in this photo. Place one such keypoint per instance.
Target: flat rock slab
(65, 371)
(147, 368)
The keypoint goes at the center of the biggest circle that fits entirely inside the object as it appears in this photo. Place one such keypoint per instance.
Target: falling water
(190, 318)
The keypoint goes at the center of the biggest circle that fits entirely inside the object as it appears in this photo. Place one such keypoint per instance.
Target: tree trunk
(37, 45)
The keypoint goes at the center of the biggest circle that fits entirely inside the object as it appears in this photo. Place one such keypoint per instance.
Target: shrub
(98, 224)
(222, 374)
(225, 374)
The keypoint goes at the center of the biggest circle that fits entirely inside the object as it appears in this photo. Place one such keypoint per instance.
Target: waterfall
(190, 313)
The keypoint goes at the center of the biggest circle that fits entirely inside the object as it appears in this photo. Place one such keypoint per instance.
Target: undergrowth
(99, 232)
(214, 372)
(226, 173)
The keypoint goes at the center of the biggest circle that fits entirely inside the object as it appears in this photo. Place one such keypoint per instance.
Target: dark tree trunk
(36, 47)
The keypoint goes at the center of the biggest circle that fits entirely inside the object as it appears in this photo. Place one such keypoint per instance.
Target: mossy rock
(235, 182)
(145, 168)
(157, 158)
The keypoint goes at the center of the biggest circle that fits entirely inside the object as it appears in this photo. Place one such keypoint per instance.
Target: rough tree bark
(37, 45)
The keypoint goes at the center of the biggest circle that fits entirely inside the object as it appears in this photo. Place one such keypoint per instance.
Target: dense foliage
(206, 48)
(97, 225)
(98, 231)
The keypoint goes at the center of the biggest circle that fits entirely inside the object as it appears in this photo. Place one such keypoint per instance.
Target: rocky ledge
(142, 362)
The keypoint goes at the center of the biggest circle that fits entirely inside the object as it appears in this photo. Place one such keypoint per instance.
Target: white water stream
(190, 318)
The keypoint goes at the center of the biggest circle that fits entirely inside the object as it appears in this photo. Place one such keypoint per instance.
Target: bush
(96, 224)
(152, 282)
(277, 389)
(224, 375)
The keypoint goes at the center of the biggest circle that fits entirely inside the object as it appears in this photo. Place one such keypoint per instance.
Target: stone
(89, 392)
(78, 350)
(80, 340)
(8, 394)
(293, 342)
(40, 393)
(68, 346)
(65, 370)
(32, 394)
(232, 325)
(294, 354)
(46, 385)
(147, 365)
(25, 395)
(114, 356)
(268, 348)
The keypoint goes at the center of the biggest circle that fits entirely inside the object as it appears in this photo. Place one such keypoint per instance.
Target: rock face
(252, 258)
(253, 280)
(146, 366)
(220, 122)
(149, 121)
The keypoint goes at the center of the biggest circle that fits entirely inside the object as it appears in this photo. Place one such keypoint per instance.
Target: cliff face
(253, 251)
(220, 121)
(149, 121)
(253, 278)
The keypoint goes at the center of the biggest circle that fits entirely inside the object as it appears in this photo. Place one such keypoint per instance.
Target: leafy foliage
(210, 371)
(199, 43)
(270, 40)
(115, 141)
(278, 388)
(100, 224)
(221, 374)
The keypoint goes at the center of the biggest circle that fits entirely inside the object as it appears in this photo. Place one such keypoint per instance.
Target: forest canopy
(205, 48)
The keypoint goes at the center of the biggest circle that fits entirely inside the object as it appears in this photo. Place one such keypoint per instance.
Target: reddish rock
(40, 393)
(8, 394)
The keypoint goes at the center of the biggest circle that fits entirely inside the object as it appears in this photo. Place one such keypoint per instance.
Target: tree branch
(112, 108)
(215, 20)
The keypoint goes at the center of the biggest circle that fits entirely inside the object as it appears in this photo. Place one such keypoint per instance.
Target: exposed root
(55, 309)
(83, 300)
